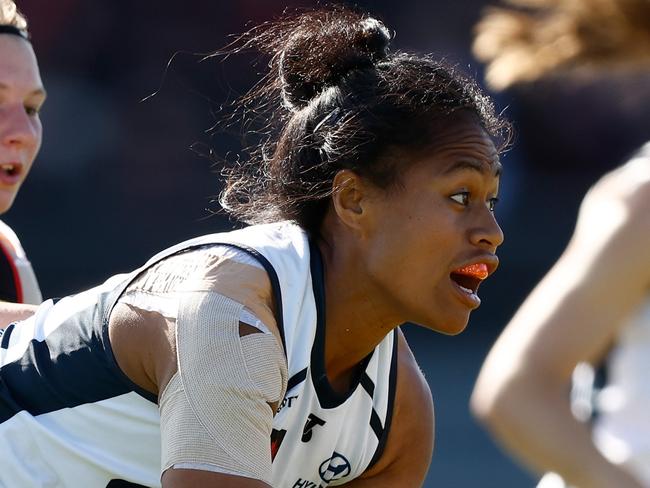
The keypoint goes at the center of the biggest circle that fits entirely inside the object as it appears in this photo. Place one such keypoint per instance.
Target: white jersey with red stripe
(20, 283)
(70, 417)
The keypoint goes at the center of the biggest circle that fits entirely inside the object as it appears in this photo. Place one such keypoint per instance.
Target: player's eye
(492, 203)
(31, 110)
(461, 198)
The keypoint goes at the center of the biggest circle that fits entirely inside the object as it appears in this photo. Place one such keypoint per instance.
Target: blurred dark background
(116, 180)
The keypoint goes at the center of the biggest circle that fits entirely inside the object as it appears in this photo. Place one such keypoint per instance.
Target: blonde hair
(529, 39)
(10, 15)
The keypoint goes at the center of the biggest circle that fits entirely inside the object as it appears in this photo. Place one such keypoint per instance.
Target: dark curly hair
(339, 99)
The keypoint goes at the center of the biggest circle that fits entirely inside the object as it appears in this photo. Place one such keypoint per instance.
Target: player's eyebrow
(494, 168)
(37, 91)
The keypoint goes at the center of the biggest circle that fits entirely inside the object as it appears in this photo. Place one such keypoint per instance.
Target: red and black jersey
(17, 280)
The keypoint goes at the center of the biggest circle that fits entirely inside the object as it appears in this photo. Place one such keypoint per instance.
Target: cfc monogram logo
(312, 421)
(334, 468)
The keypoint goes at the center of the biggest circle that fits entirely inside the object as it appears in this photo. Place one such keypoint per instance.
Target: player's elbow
(487, 402)
(504, 399)
(496, 398)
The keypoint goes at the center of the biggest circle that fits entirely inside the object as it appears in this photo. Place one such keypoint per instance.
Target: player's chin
(7, 197)
(450, 324)
(455, 326)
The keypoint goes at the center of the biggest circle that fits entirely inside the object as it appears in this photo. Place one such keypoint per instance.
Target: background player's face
(439, 221)
(21, 96)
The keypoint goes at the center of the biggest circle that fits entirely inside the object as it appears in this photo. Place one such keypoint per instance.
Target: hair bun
(321, 47)
(376, 38)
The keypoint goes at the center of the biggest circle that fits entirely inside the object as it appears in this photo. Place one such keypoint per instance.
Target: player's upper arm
(217, 377)
(407, 454)
(576, 311)
(12, 312)
(183, 478)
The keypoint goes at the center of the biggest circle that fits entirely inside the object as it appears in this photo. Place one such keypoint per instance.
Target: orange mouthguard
(478, 270)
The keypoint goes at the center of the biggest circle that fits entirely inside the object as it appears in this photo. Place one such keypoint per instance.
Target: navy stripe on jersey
(392, 384)
(327, 396)
(296, 379)
(9, 286)
(69, 368)
(6, 334)
(375, 424)
(367, 384)
(123, 484)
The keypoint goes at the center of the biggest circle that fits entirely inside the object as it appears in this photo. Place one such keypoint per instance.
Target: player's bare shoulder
(617, 208)
(628, 185)
(412, 388)
(637, 176)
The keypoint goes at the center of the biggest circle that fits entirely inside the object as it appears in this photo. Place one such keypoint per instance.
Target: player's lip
(470, 274)
(11, 172)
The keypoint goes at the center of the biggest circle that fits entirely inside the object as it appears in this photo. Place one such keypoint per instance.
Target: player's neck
(356, 320)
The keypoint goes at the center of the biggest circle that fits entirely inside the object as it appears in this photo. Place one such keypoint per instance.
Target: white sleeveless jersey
(69, 417)
(18, 282)
(622, 429)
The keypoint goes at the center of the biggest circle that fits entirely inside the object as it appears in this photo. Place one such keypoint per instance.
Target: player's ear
(350, 195)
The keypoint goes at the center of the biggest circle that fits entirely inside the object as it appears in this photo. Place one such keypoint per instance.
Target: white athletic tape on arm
(215, 411)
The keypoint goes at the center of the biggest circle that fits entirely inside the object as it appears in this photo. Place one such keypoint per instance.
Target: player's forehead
(18, 66)
(464, 146)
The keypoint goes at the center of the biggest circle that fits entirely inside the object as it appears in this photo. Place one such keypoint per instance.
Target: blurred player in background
(21, 98)
(272, 355)
(594, 304)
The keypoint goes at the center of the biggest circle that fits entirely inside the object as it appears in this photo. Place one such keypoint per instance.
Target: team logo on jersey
(312, 421)
(334, 468)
